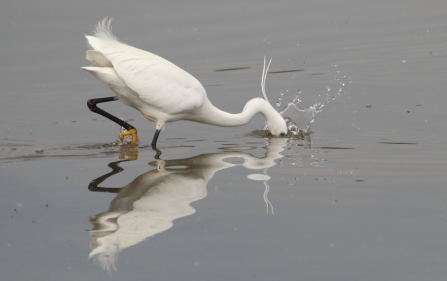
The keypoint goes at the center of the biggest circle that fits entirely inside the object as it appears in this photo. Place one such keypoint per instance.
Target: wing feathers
(157, 81)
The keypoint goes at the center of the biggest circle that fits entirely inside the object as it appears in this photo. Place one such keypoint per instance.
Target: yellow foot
(131, 132)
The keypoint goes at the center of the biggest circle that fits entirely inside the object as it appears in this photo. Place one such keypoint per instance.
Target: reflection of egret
(160, 90)
(150, 203)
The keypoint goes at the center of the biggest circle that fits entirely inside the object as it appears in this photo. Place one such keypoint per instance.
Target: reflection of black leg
(92, 106)
(93, 186)
(154, 140)
(157, 155)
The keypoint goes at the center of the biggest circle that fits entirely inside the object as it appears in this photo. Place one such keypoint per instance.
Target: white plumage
(162, 91)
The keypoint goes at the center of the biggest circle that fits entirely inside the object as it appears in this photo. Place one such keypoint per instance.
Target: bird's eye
(282, 134)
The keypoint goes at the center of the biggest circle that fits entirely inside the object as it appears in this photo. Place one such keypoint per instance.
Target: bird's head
(277, 125)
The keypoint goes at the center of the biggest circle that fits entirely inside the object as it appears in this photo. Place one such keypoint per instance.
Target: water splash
(278, 102)
(299, 120)
(127, 140)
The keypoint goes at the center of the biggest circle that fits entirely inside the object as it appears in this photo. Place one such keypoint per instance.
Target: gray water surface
(362, 198)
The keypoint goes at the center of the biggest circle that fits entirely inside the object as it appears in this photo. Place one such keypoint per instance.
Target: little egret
(160, 90)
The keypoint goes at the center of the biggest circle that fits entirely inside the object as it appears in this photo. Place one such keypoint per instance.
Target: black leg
(154, 140)
(130, 129)
(92, 106)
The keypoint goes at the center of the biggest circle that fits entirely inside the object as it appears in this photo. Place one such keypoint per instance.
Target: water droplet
(126, 139)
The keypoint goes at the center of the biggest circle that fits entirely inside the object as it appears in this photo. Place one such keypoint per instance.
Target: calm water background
(364, 198)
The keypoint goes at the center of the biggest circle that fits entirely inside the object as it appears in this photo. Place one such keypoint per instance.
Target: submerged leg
(130, 129)
(154, 140)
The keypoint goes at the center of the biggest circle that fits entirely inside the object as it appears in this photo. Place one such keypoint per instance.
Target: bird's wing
(157, 81)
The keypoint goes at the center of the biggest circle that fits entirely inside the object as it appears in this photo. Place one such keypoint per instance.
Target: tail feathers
(101, 38)
(98, 58)
(103, 30)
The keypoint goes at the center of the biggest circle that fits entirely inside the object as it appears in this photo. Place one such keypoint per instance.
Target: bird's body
(160, 90)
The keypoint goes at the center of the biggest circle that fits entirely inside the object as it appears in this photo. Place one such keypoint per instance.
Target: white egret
(160, 90)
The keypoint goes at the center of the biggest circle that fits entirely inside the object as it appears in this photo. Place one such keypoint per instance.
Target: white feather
(162, 91)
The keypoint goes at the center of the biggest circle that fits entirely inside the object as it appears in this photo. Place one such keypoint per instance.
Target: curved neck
(210, 114)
